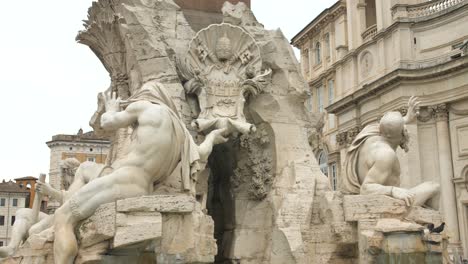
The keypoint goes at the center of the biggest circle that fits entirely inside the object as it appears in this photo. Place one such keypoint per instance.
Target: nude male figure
(158, 143)
(372, 165)
(78, 175)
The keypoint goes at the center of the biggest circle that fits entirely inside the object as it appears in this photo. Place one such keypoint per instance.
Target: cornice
(396, 76)
(460, 112)
(318, 22)
(80, 143)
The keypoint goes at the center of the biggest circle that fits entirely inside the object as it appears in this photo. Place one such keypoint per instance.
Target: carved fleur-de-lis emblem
(246, 57)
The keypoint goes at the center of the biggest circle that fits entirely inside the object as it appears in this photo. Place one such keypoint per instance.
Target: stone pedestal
(372, 229)
(159, 229)
(388, 231)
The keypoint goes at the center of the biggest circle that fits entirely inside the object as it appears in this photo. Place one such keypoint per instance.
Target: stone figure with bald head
(372, 165)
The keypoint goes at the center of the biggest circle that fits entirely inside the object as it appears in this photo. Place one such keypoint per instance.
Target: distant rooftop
(12, 187)
(27, 178)
(79, 137)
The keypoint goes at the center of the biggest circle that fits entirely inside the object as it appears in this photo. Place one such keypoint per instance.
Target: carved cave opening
(241, 176)
(220, 200)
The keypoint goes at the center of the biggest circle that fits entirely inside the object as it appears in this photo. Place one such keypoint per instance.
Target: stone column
(361, 7)
(379, 7)
(448, 203)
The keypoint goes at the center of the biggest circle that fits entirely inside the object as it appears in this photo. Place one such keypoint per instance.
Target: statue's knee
(435, 186)
(34, 230)
(24, 213)
(61, 214)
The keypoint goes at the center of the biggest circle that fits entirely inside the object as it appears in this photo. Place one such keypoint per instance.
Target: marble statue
(159, 141)
(223, 69)
(372, 166)
(74, 176)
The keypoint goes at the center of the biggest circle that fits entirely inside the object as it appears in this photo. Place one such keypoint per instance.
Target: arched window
(323, 162)
(318, 53)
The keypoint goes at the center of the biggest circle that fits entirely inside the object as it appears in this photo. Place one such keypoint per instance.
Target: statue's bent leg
(24, 220)
(122, 183)
(45, 222)
(424, 192)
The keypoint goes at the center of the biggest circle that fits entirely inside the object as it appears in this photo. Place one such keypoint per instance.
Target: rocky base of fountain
(146, 230)
(373, 229)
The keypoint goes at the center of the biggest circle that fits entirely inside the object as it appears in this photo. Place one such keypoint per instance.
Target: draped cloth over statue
(351, 183)
(156, 93)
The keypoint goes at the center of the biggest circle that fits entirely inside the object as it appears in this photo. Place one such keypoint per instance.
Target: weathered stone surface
(188, 236)
(399, 243)
(92, 254)
(360, 207)
(158, 203)
(99, 227)
(136, 227)
(424, 216)
(389, 225)
(433, 237)
(38, 241)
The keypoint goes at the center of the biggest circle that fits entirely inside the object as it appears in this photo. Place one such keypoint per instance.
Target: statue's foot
(6, 252)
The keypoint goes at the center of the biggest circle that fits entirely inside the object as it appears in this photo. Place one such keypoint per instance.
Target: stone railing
(431, 7)
(369, 33)
(424, 9)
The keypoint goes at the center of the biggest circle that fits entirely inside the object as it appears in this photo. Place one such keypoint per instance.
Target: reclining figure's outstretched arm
(380, 171)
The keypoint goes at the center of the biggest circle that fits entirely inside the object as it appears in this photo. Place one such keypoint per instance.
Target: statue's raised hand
(44, 188)
(413, 110)
(111, 101)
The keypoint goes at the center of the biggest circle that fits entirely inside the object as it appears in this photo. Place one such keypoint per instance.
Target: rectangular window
(331, 92)
(1, 243)
(305, 61)
(331, 121)
(2, 220)
(334, 180)
(318, 53)
(92, 159)
(331, 99)
(309, 104)
(15, 202)
(327, 44)
(2, 202)
(320, 99)
(13, 218)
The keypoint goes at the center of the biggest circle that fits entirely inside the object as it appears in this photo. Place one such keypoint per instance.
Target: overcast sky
(49, 83)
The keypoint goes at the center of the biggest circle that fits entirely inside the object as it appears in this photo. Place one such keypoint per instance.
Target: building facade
(30, 183)
(12, 197)
(82, 146)
(363, 58)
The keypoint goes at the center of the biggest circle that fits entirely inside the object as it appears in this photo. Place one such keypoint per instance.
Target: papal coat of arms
(223, 69)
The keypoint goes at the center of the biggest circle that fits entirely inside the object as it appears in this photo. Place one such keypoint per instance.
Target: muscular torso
(375, 147)
(153, 146)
